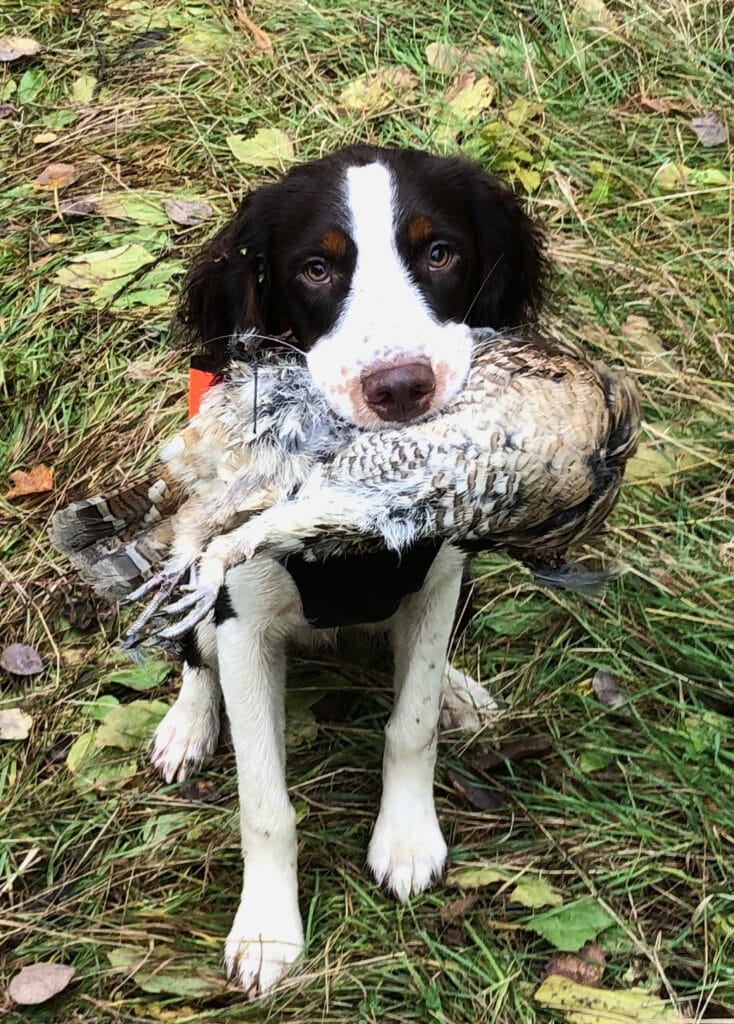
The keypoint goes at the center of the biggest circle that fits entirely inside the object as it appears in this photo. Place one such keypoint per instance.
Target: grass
(637, 812)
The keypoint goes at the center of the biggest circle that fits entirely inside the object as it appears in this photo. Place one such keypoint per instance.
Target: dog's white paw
(465, 704)
(186, 738)
(264, 942)
(407, 851)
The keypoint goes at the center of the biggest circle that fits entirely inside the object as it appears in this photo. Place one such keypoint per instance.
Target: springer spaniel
(374, 263)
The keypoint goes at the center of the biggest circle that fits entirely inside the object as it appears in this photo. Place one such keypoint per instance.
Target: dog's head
(377, 261)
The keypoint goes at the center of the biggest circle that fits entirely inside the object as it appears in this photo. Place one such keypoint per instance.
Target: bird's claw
(162, 585)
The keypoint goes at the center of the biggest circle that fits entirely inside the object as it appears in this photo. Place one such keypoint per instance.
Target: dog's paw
(407, 852)
(465, 704)
(264, 942)
(186, 738)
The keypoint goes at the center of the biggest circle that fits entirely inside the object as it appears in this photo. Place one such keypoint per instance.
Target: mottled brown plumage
(528, 458)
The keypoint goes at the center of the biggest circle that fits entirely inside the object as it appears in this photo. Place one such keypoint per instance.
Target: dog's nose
(400, 392)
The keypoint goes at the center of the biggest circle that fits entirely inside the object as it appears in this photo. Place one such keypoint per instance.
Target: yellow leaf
(671, 176)
(89, 270)
(376, 91)
(476, 878)
(14, 724)
(44, 137)
(445, 57)
(645, 344)
(268, 147)
(468, 96)
(82, 88)
(656, 465)
(534, 893)
(582, 1004)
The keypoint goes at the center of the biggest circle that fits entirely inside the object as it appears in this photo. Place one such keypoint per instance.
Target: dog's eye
(317, 271)
(439, 256)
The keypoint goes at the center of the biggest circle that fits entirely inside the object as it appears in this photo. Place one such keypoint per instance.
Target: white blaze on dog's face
(389, 357)
(374, 263)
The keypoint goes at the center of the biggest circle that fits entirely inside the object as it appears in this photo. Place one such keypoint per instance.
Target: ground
(584, 107)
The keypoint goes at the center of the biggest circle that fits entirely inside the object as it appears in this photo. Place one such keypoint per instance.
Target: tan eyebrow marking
(333, 244)
(419, 230)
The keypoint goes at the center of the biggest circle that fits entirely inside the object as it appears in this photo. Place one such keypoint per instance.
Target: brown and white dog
(375, 263)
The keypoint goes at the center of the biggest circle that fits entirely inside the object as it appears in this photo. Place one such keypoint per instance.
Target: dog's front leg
(258, 608)
(407, 850)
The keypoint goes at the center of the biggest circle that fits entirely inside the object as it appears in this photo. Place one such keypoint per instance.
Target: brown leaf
(15, 47)
(39, 982)
(199, 792)
(458, 909)
(78, 207)
(57, 176)
(187, 211)
(21, 660)
(480, 798)
(709, 128)
(609, 693)
(14, 724)
(36, 481)
(655, 104)
(259, 35)
(6, 109)
(518, 750)
(585, 967)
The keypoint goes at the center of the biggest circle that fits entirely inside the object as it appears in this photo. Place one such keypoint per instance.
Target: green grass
(635, 812)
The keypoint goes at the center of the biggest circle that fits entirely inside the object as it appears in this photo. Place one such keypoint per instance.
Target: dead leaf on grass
(39, 983)
(90, 270)
(82, 89)
(21, 660)
(518, 750)
(187, 211)
(6, 110)
(445, 57)
(37, 480)
(535, 893)
(268, 147)
(585, 967)
(582, 1004)
(477, 877)
(260, 37)
(480, 798)
(14, 724)
(638, 331)
(595, 16)
(709, 128)
(15, 47)
(468, 96)
(610, 693)
(376, 91)
(458, 909)
(130, 726)
(57, 176)
(44, 138)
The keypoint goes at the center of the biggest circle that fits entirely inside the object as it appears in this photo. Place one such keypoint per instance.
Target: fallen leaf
(37, 480)
(14, 724)
(656, 465)
(90, 270)
(57, 176)
(521, 111)
(187, 211)
(572, 925)
(100, 708)
(377, 91)
(43, 138)
(39, 982)
(199, 791)
(518, 750)
(21, 660)
(93, 768)
(15, 47)
(136, 206)
(78, 207)
(655, 104)
(644, 342)
(582, 1004)
(479, 797)
(709, 128)
(476, 878)
(268, 147)
(7, 110)
(170, 975)
(610, 693)
(585, 967)
(535, 893)
(468, 96)
(144, 676)
(594, 760)
(82, 89)
(260, 37)
(595, 15)
(671, 176)
(130, 726)
(458, 909)
(30, 85)
(445, 57)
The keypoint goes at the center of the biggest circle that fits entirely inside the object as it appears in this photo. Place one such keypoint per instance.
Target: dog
(374, 263)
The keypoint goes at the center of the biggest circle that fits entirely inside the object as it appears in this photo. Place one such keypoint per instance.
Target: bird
(527, 459)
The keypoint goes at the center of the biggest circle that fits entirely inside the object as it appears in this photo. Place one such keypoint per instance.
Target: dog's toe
(261, 947)
(186, 738)
(406, 856)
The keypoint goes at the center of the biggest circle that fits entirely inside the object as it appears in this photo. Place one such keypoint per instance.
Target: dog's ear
(226, 288)
(512, 267)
